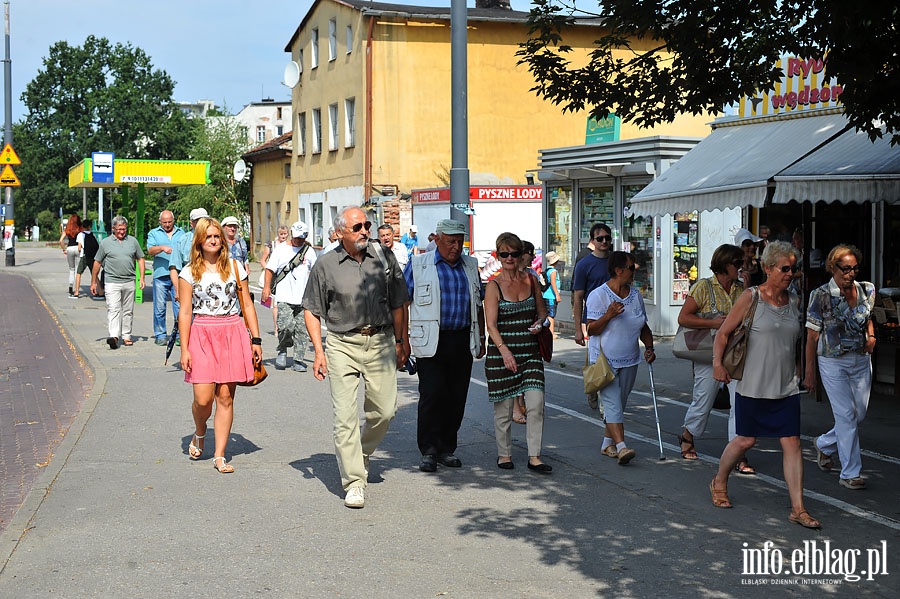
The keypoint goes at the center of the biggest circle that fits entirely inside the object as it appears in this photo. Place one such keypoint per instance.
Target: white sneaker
(356, 497)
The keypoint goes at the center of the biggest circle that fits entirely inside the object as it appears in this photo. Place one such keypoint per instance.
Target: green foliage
(220, 141)
(89, 98)
(654, 60)
(49, 225)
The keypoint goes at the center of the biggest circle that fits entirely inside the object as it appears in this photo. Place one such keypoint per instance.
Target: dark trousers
(443, 389)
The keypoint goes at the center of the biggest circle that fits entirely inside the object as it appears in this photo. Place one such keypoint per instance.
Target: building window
(258, 223)
(314, 48)
(332, 127)
(278, 113)
(279, 130)
(349, 122)
(245, 133)
(349, 39)
(287, 170)
(287, 210)
(300, 59)
(261, 133)
(332, 40)
(317, 225)
(301, 133)
(317, 131)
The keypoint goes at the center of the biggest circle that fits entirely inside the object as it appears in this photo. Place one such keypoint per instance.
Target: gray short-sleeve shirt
(118, 258)
(348, 294)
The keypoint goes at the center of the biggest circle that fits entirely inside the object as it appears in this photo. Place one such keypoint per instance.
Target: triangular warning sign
(8, 178)
(9, 156)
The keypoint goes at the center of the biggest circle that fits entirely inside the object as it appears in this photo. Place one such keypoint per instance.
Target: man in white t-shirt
(386, 236)
(287, 271)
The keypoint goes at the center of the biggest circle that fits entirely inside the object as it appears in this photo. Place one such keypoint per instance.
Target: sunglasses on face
(788, 269)
(505, 255)
(848, 269)
(602, 238)
(631, 267)
(358, 226)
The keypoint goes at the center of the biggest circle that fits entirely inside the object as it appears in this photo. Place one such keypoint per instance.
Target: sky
(227, 51)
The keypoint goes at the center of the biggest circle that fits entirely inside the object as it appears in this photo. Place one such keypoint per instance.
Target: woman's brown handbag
(736, 348)
(545, 344)
(597, 375)
(259, 371)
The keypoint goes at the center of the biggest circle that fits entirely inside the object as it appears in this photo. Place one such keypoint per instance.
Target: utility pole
(8, 136)
(459, 97)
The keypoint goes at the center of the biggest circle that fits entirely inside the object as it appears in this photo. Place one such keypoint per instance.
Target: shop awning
(734, 166)
(848, 169)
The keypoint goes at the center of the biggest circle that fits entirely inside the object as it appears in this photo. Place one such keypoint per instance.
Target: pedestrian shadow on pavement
(237, 444)
(323, 466)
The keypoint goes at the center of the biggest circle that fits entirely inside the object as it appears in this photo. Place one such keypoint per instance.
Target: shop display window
(684, 253)
(559, 226)
(597, 206)
(638, 238)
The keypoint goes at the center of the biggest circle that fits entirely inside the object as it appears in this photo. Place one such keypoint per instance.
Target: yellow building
(272, 200)
(372, 104)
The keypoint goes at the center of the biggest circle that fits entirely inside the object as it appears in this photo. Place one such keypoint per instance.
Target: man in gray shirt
(359, 291)
(117, 255)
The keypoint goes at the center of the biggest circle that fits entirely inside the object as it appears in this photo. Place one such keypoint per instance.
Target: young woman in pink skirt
(215, 354)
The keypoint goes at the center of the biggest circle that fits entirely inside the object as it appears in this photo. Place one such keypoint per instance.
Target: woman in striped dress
(514, 312)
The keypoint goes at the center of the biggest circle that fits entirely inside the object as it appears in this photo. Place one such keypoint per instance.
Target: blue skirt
(767, 417)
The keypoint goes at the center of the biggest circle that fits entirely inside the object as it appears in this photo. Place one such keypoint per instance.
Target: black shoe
(428, 464)
(449, 460)
(505, 465)
(540, 468)
(113, 342)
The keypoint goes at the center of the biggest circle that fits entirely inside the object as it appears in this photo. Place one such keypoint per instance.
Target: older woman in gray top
(767, 398)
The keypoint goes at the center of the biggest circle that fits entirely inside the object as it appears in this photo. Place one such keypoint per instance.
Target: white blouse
(211, 295)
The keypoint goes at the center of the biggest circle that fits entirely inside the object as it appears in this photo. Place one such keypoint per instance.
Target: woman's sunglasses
(788, 269)
(358, 226)
(848, 269)
(508, 254)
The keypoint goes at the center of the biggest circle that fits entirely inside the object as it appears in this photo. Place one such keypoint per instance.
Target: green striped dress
(513, 320)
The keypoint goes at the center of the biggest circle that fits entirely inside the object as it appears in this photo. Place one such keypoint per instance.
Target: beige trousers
(373, 359)
(534, 423)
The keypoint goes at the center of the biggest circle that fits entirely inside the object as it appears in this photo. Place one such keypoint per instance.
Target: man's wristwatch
(398, 341)
(256, 341)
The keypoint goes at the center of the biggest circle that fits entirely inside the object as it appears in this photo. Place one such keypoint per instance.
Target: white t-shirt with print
(211, 295)
(290, 289)
(620, 337)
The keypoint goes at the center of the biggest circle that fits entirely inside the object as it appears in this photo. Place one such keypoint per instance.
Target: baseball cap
(230, 220)
(198, 213)
(299, 229)
(743, 235)
(414, 228)
(552, 257)
(448, 226)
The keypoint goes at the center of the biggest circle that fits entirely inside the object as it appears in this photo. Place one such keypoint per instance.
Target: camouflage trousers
(292, 330)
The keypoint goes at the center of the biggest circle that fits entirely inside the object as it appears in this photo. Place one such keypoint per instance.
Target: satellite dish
(239, 171)
(292, 72)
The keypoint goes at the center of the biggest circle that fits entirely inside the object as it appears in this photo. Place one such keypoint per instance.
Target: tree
(220, 141)
(657, 59)
(95, 97)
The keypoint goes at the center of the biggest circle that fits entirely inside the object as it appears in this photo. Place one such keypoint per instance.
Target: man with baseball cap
(287, 272)
(181, 255)
(446, 331)
(411, 241)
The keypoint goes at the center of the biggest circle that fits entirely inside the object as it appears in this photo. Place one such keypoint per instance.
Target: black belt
(369, 329)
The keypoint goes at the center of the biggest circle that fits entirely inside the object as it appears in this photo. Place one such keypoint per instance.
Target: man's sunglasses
(789, 269)
(508, 254)
(848, 269)
(603, 238)
(358, 226)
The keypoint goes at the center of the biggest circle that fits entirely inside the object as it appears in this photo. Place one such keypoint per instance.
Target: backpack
(544, 280)
(90, 247)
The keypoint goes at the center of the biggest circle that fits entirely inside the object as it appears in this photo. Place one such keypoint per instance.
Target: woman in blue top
(551, 294)
(840, 332)
(616, 319)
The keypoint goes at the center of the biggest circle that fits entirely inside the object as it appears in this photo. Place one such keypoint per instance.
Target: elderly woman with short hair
(767, 398)
(839, 331)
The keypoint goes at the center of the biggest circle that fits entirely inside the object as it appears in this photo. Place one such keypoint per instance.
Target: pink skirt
(220, 350)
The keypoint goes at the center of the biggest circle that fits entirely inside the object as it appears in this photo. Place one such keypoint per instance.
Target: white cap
(414, 228)
(299, 229)
(743, 235)
(199, 213)
(230, 220)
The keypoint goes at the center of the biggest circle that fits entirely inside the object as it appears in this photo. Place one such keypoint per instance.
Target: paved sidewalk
(121, 510)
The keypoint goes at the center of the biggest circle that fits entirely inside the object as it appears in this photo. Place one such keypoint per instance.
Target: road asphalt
(119, 510)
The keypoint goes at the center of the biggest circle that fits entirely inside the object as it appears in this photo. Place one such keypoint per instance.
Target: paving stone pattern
(43, 382)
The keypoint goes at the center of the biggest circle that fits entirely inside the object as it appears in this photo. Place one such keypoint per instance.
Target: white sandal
(225, 468)
(194, 451)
